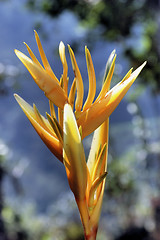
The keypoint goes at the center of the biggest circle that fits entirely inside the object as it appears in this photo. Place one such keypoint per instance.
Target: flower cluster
(63, 132)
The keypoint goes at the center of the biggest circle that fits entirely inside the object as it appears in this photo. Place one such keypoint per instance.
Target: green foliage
(121, 175)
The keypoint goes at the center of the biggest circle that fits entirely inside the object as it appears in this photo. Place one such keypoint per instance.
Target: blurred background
(35, 200)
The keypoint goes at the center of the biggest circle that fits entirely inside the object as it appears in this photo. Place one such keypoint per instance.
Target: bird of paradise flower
(63, 134)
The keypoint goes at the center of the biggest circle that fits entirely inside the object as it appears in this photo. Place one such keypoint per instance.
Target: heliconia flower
(63, 134)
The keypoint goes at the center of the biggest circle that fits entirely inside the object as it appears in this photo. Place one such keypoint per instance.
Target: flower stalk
(64, 132)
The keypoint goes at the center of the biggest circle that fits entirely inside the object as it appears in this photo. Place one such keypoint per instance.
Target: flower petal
(107, 81)
(74, 156)
(44, 58)
(99, 162)
(100, 138)
(34, 59)
(95, 214)
(57, 129)
(93, 117)
(99, 143)
(93, 189)
(65, 66)
(92, 80)
(108, 65)
(79, 82)
(51, 88)
(72, 93)
(50, 140)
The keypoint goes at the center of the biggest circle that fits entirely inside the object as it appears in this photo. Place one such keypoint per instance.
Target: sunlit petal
(127, 75)
(100, 138)
(74, 156)
(99, 163)
(51, 142)
(93, 117)
(65, 66)
(79, 82)
(108, 65)
(92, 80)
(57, 129)
(52, 110)
(51, 88)
(107, 81)
(34, 59)
(71, 98)
(42, 121)
(44, 59)
(95, 184)
(95, 215)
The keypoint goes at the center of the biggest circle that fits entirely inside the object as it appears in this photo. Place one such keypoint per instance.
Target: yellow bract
(42, 127)
(94, 116)
(73, 155)
(93, 113)
(63, 134)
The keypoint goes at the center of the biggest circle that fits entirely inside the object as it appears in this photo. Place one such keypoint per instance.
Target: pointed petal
(51, 142)
(95, 214)
(100, 138)
(52, 110)
(79, 82)
(34, 59)
(99, 163)
(51, 88)
(65, 66)
(93, 117)
(72, 93)
(108, 65)
(74, 156)
(127, 75)
(42, 121)
(106, 84)
(75, 164)
(56, 128)
(93, 189)
(92, 80)
(44, 58)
